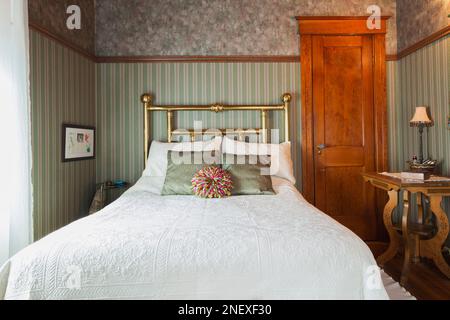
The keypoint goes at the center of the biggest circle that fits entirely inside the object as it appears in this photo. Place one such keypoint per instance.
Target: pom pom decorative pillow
(212, 182)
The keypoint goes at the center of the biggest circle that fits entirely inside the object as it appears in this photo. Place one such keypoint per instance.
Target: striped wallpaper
(62, 90)
(422, 78)
(68, 88)
(392, 91)
(120, 113)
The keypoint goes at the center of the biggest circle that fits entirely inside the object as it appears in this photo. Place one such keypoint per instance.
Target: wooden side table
(421, 238)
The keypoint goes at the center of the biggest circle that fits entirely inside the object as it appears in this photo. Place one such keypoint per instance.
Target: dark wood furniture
(421, 237)
(344, 126)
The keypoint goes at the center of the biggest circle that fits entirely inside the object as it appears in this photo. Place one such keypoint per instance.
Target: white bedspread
(145, 246)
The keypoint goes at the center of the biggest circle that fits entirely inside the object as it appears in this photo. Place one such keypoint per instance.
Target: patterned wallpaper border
(218, 58)
(125, 27)
(418, 19)
(51, 15)
(217, 27)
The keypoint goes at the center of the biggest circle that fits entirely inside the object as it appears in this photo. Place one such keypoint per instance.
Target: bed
(148, 246)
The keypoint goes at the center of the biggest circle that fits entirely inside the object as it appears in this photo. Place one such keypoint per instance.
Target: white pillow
(157, 156)
(281, 164)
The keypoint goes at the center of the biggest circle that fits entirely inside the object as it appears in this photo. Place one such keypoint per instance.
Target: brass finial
(146, 98)
(286, 97)
(217, 108)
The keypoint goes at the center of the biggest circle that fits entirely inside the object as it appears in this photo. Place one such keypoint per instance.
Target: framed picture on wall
(78, 142)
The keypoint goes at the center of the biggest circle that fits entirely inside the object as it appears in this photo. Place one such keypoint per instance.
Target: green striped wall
(120, 113)
(392, 90)
(62, 90)
(64, 87)
(422, 78)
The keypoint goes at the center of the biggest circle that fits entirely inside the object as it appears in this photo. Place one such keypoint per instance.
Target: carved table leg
(433, 248)
(393, 235)
(409, 246)
(420, 205)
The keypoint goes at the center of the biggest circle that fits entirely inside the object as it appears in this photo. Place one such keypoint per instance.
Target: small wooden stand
(421, 237)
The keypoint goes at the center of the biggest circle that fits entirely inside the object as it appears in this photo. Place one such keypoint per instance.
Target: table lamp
(421, 120)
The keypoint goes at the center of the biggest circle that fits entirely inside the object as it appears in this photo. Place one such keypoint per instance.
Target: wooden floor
(425, 281)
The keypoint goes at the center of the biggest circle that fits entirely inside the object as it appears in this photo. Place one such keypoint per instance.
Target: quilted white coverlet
(145, 246)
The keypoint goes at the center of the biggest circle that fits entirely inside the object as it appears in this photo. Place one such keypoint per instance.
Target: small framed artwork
(78, 142)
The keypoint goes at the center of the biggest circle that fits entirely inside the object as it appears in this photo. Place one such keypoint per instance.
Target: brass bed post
(169, 125)
(286, 100)
(264, 125)
(146, 99)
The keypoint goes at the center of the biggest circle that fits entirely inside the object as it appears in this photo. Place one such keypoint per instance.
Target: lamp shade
(421, 118)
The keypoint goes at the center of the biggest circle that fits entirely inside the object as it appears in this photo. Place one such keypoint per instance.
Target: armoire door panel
(344, 130)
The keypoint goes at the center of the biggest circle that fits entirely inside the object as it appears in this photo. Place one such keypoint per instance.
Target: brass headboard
(170, 109)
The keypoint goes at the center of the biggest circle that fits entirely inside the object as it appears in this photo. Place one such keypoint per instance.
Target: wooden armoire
(344, 125)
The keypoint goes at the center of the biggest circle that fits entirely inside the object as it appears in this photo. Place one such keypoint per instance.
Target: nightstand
(424, 235)
(107, 193)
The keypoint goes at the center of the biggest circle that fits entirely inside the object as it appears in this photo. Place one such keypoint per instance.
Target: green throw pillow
(246, 175)
(181, 168)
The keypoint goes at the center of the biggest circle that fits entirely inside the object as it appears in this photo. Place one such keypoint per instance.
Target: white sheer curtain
(15, 140)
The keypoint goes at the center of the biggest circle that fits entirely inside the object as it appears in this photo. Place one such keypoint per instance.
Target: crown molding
(423, 43)
(226, 58)
(216, 59)
(34, 26)
(391, 57)
(338, 17)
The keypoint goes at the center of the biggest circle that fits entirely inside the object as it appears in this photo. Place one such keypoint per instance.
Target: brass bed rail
(147, 101)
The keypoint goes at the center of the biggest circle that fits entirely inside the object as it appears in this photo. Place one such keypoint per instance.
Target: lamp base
(428, 167)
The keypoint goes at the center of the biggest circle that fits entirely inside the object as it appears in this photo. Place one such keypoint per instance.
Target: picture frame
(78, 142)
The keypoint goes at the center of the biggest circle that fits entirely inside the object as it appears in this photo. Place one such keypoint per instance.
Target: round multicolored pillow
(212, 182)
